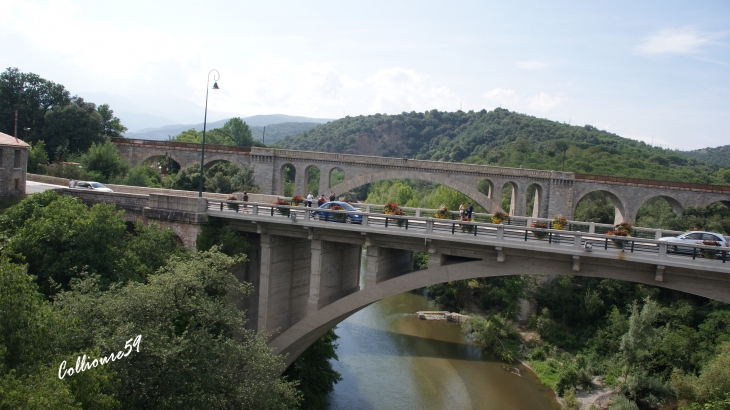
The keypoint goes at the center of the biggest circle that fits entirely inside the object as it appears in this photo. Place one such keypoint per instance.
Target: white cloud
(398, 89)
(530, 65)
(502, 96)
(545, 102)
(679, 41)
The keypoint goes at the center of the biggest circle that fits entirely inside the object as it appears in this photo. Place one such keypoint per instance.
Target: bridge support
(335, 272)
(283, 281)
(386, 263)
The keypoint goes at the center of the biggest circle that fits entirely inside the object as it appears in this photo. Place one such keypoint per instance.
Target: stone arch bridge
(556, 193)
(307, 273)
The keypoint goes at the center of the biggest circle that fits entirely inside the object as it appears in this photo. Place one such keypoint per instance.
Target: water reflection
(391, 359)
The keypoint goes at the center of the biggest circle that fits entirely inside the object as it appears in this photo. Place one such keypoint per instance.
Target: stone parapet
(47, 179)
(178, 203)
(175, 216)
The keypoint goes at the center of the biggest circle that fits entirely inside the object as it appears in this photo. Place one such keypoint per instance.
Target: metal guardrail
(653, 183)
(575, 239)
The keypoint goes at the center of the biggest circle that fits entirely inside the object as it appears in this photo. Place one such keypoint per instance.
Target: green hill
(504, 138)
(719, 155)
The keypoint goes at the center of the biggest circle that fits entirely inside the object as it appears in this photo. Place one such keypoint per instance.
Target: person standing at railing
(332, 196)
(461, 211)
(469, 210)
(321, 201)
(310, 198)
(245, 200)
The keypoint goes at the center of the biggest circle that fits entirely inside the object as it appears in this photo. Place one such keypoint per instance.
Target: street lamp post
(26, 129)
(216, 77)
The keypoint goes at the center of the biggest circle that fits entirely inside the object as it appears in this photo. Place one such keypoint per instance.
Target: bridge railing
(566, 239)
(175, 144)
(653, 183)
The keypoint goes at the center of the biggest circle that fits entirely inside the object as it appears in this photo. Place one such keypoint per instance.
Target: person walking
(310, 198)
(332, 196)
(461, 211)
(321, 201)
(469, 210)
(71, 183)
(245, 200)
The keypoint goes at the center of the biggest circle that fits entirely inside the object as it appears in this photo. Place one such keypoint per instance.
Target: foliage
(282, 210)
(144, 176)
(297, 200)
(559, 222)
(717, 155)
(77, 124)
(416, 194)
(569, 401)
(420, 260)
(277, 132)
(37, 158)
(221, 177)
(442, 212)
(539, 225)
(216, 232)
(314, 372)
(496, 333)
(499, 217)
(110, 125)
(234, 132)
(619, 402)
(104, 158)
(712, 386)
(503, 138)
(198, 353)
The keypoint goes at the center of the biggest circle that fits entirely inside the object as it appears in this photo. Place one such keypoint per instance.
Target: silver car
(693, 238)
(95, 186)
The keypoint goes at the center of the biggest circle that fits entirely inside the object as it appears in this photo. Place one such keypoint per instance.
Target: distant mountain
(718, 155)
(275, 128)
(503, 138)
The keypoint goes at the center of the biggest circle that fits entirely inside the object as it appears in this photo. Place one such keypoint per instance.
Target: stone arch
(210, 163)
(443, 179)
(167, 163)
(513, 201)
(312, 178)
(539, 201)
(486, 187)
(620, 211)
(211, 159)
(676, 206)
(287, 174)
(335, 174)
(294, 340)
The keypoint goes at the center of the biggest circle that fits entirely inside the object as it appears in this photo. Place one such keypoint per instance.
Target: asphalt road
(32, 187)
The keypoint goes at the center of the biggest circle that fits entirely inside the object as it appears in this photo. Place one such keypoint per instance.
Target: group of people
(320, 201)
(465, 212)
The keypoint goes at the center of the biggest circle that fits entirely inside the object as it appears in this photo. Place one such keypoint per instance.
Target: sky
(656, 71)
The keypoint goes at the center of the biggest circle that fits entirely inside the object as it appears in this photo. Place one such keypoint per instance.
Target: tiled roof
(6, 139)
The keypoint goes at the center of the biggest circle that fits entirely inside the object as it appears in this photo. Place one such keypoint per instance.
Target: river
(389, 359)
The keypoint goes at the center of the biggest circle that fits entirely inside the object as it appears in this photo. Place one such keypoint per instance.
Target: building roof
(6, 140)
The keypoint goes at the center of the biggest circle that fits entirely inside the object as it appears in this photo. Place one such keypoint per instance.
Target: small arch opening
(288, 179)
(534, 198)
(337, 176)
(600, 207)
(313, 177)
(509, 199)
(486, 187)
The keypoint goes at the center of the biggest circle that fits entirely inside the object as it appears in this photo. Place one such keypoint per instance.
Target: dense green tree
(143, 175)
(313, 370)
(111, 126)
(37, 158)
(195, 350)
(32, 96)
(496, 333)
(77, 123)
(240, 132)
(104, 159)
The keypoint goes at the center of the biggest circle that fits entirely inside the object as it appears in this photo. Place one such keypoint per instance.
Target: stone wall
(12, 177)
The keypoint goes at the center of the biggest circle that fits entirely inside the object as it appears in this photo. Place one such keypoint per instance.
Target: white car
(693, 238)
(95, 186)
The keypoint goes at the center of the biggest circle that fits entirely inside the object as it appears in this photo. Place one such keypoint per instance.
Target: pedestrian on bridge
(245, 200)
(462, 211)
(310, 198)
(321, 201)
(332, 197)
(71, 183)
(469, 210)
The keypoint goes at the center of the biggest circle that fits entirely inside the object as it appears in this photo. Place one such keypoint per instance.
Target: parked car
(350, 218)
(693, 238)
(96, 186)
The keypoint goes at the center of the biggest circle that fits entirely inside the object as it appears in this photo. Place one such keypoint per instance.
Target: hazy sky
(640, 69)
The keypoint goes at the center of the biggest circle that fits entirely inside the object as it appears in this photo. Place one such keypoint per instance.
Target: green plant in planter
(442, 213)
(559, 222)
(283, 211)
(499, 217)
(338, 216)
(232, 206)
(623, 229)
(706, 253)
(297, 200)
(539, 234)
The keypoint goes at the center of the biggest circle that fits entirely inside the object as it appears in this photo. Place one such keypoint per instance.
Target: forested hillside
(718, 155)
(504, 138)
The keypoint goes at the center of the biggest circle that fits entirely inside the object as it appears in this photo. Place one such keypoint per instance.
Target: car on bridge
(351, 218)
(693, 238)
(94, 186)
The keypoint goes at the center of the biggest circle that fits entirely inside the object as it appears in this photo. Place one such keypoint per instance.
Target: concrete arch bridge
(556, 193)
(307, 276)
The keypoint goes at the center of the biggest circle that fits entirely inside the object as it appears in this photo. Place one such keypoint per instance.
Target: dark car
(351, 218)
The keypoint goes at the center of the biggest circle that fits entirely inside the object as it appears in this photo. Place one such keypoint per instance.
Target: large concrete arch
(677, 207)
(173, 157)
(294, 340)
(470, 191)
(622, 213)
(214, 157)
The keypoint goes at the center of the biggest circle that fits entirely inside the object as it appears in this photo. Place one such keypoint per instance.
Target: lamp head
(215, 86)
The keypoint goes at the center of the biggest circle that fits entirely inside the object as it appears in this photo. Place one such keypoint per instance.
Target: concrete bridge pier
(386, 263)
(335, 272)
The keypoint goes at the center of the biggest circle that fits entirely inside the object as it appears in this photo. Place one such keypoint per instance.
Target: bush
(620, 402)
(569, 401)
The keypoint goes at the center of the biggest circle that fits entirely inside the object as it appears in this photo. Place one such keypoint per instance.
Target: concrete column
(300, 181)
(335, 272)
(386, 263)
(519, 201)
(283, 281)
(560, 198)
(263, 171)
(324, 181)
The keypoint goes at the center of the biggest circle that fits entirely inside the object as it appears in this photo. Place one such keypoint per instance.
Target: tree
(110, 125)
(37, 158)
(104, 159)
(77, 123)
(196, 351)
(32, 96)
(240, 132)
(314, 371)
(562, 145)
